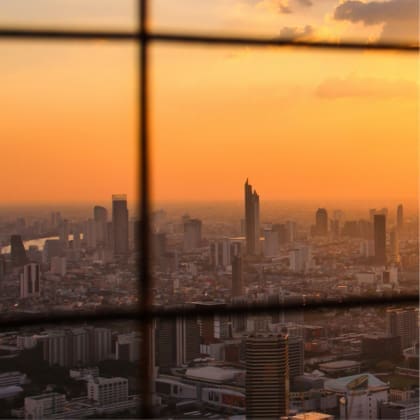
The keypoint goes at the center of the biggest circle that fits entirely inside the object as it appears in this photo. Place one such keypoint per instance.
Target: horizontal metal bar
(55, 34)
(71, 35)
(189, 310)
(277, 42)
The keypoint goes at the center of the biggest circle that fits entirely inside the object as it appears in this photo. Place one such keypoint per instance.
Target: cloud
(356, 87)
(279, 6)
(399, 17)
(305, 2)
(285, 9)
(296, 33)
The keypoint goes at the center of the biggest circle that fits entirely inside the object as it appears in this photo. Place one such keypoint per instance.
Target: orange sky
(299, 124)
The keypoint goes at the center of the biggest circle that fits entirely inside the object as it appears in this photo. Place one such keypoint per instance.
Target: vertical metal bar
(146, 368)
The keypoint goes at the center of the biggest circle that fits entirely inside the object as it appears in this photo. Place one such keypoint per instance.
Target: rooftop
(349, 383)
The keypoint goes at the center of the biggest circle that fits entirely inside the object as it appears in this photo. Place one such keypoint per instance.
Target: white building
(44, 405)
(30, 281)
(359, 395)
(108, 390)
(300, 259)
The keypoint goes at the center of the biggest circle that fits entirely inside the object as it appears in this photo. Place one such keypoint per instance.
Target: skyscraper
(400, 217)
(395, 245)
(252, 220)
(100, 215)
(165, 339)
(30, 282)
(267, 376)
(321, 222)
(402, 322)
(237, 277)
(64, 231)
(379, 236)
(17, 251)
(192, 234)
(120, 224)
(296, 351)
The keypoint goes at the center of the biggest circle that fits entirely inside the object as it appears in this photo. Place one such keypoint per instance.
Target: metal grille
(145, 313)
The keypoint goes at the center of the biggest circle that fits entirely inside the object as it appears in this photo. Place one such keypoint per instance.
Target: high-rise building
(52, 248)
(300, 259)
(17, 251)
(400, 217)
(127, 347)
(271, 243)
(192, 234)
(107, 390)
(90, 234)
(120, 224)
(237, 277)
(321, 222)
(165, 347)
(252, 220)
(395, 245)
(63, 231)
(187, 340)
(379, 237)
(220, 253)
(282, 233)
(100, 215)
(403, 322)
(296, 351)
(77, 239)
(267, 376)
(30, 281)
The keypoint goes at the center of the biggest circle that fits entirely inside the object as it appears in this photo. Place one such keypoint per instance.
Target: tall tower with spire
(252, 220)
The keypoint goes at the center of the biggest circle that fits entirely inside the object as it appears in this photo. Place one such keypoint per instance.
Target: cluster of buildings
(357, 363)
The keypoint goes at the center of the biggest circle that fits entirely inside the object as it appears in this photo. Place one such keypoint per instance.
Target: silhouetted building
(252, 220)
(63, 231)
(192, 234)
(100, 215)
(237, 277)
(17, 251)
(120, 224)
(400, 217)
(267, 376)
(321, 222)
(52, 248)
(379, 237)
(165, 339)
